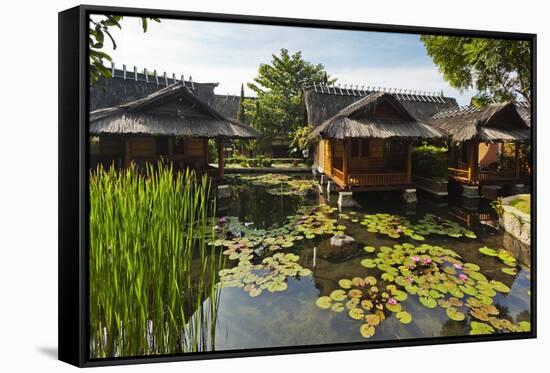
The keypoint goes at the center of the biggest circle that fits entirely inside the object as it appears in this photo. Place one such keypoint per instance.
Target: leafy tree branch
(499, 69)
(99, 30)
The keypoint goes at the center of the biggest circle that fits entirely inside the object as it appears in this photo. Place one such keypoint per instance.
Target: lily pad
(500, 287)
(277, 286)
(372, 319)
(428, 302)
(367, 304)
(399, 295)
(510, 271)
(477, 328)
(393, 307)
(468, 289)
(404, 317)
(356, 313)
(338, 295)
(255, 292)
(455, 314)
(368, 263)
(355, 293)
(323, 302)
(488, 251)
(525, 326)
(345, 283)
(367, 330)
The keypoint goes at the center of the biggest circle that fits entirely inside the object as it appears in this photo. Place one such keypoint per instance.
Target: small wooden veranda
(488, 146)
(171, 124)
(367, 146)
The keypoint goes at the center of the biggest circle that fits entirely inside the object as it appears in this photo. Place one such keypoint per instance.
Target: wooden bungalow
(367, 145)
(488, 145)
(171, 124)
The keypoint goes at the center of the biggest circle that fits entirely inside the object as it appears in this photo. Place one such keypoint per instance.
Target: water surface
(291, 317)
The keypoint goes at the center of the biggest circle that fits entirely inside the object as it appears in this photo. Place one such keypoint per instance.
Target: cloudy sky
(231, 53)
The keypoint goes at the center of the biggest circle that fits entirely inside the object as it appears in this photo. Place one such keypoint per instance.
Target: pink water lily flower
(223, 220)
(463, 277)
(410, 279)
(415, 258)
(392, 301)
(410, 266)
(457, 266)
(427, 260)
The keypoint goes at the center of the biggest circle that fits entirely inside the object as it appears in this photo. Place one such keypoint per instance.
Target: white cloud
(231, 54)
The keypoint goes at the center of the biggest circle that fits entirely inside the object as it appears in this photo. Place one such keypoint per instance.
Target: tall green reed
(152, 274)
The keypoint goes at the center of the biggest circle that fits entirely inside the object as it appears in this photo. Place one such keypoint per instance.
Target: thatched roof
(126, 86)
(524, 110)
(494, 123)
(322, 101)
(173, 110)
(378, 115)
(227, 105)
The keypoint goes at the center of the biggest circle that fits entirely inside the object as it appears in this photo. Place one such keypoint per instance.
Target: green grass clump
(151, 273)
(522, 203)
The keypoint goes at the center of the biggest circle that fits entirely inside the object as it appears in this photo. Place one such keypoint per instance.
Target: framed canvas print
(237, 186)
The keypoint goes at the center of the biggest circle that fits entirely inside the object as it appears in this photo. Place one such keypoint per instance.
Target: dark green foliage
(498, 69)
(430, 161)
(261, 161)
(278, 110)
(241, 115)
(301, 139)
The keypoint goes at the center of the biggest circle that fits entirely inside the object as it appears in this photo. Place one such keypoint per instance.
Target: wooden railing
(377, 179)
(483, 176)
(338, 174)
(501, 175)
(459, 174)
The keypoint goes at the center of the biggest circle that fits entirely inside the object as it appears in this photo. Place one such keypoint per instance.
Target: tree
(300, 138)
(99, 28)
(241, 115)
(278, 109)
(499, 69)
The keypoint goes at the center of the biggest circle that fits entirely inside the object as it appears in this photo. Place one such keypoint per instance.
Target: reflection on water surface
(288, 290)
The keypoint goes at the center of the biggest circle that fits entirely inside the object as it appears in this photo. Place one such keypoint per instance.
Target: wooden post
(205, 152)
(409, 163)
(327, 164)
(345, 161)
(127, 152)
(517, 160)
(220, 158)
(471, 151)
(170, 146)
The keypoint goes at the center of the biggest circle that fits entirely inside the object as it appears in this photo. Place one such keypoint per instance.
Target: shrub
(430, 161)
(260, 161)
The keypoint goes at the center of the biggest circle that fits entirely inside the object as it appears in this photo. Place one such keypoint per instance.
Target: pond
(412, 271)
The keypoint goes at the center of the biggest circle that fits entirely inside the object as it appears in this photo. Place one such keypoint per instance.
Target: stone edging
(515, 222)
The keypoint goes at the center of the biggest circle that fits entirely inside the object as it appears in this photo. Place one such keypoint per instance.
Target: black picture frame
(73, 182)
